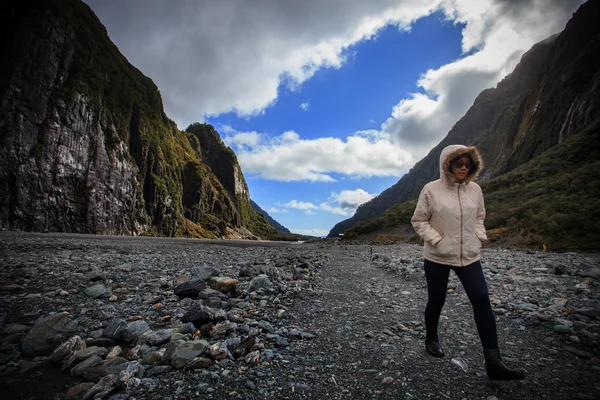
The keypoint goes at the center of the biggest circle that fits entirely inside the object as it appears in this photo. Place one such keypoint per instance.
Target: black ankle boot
(496, 370)
(433, 348)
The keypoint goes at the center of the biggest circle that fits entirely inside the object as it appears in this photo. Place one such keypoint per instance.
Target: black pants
(474, 283)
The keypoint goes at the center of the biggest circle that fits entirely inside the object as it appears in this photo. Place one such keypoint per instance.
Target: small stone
(562, 329)
(527, 307)
(103, 388)
(203, 272)
(252, 357)
(96, 291)
(190, 288)
(387, 380)
(301, 388)
(77, 391)
(579, 353)
(82, 367)
(94, 276)
(460, 363)
(134, 330)
(133, 370)
(66, 349)
(186, 352)
(114, 329)
(588, 312)
(199, 315)
(46, 334)
(201, 363)
(543, 317)
(114, 353)
(158, 337)
(260, 282)
(223, 284)
(267, 326)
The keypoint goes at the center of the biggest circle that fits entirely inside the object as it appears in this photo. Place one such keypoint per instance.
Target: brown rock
(223, 284)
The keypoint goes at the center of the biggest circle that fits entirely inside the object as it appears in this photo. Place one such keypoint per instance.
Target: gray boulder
(186, 352)
(190, 288)
(47, 334)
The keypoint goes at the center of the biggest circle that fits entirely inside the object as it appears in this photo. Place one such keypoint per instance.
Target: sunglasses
(460, 164)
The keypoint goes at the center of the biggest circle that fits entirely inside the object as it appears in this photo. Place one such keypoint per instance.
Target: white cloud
(305, 106)
(311, 232)
(311, 208)
(276, 210)
(334, 210)
(210, 57)
(244, 139)
(351, 199)
(497, 32)
(300, 205)
(290, 158)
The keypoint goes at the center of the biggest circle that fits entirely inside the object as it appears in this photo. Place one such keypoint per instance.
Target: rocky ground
(87, 317)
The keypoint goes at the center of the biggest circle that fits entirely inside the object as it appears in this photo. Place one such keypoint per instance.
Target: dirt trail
(370, 336)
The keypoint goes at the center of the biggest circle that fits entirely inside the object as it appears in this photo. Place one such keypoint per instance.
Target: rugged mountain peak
(221, 159)
(85, 145)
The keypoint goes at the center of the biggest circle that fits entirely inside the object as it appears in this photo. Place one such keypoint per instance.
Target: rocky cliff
(85, 145)
(551, 95)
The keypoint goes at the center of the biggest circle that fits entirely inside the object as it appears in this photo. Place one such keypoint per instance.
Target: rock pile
(120, 321)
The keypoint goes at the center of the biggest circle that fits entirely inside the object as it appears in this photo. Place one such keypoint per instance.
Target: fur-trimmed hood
(453, 152)
(449, 216)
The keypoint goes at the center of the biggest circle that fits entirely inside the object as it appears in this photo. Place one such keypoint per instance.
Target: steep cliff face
(551, 94)
(223, 163)
(564, 97)
(85, 145)
(57, 171)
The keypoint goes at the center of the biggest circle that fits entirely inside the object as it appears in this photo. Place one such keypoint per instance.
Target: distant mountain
(549, 103)
(85, 145)
(280, 228)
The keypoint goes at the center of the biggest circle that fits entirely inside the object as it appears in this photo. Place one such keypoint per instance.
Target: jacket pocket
(473, 248)
(444, 247)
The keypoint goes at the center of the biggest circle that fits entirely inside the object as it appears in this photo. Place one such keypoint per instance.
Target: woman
(449, 218)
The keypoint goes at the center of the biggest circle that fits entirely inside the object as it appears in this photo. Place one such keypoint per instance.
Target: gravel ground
(334, 321)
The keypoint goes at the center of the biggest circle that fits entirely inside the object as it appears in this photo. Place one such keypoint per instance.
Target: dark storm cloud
(217, 56)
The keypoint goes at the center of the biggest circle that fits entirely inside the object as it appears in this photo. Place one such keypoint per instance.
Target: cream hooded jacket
(449, 215)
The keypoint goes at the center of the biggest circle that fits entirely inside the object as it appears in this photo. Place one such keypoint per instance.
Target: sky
(326, 103)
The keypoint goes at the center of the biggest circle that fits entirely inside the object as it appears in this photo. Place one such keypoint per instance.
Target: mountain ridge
(551, 96)
(85, 145)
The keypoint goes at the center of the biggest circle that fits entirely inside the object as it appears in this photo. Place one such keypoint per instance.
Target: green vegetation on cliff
(538, 132)
(185, 183)
(552, 201)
